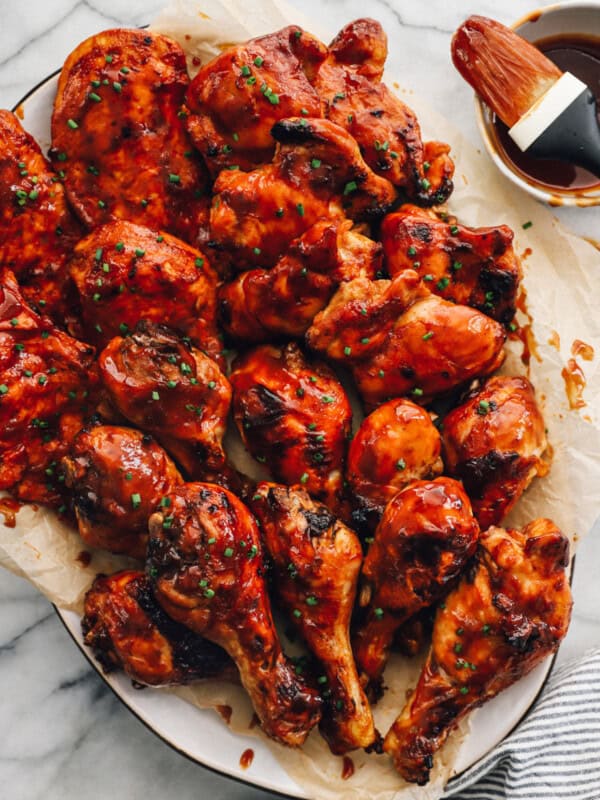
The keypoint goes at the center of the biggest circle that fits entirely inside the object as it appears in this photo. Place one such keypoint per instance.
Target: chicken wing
(45, 379)
(127, 629)
(172, 390)
(37, 230)
(118, 477)
(386, 130)
(118, 133)
(316, 561)
(125, 273)
(473, 266)
(317, 172)
(283, 301)
(493, 443)
(294, 416)
(426, 536)
(400, 339)
(205, 563)
(509, 612)
(236, 98)
(395, 445)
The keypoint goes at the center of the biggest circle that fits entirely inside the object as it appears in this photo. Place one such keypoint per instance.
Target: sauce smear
(246, 758)
(347, 768)
(579, 55)
(225, 712)
(9, 507)
(579, 348)
(574, 384)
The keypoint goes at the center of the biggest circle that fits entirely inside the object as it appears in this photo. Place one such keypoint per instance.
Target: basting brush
(549, 113)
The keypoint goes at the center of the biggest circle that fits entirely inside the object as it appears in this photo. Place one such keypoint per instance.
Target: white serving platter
(201, 734)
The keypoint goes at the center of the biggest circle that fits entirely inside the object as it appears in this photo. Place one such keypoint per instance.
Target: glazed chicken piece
(118, 133)
(37, 230)
(316, 561)
(118, 477)
(294, 416)
(386, 130)
(509, 612)
(317, 172)
(283, 301)
(400, 339)
(236, 98)
(165, 386)
(127, 629)
(205, 563)
(493, 443)
(473, 266)
(125, 273)
(45, 382)
(395, 445)
(425, 537)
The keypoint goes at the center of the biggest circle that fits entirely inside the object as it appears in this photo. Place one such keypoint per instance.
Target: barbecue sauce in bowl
(579, 55)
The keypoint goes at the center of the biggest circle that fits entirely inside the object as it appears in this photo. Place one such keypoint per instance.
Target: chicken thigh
(46, 378)
(125, 273)
(473, 266)
(172, 390)
(395, 445)
(283, 301)
(236, 98)
(37, 229)
(205, 563)
(400, 339)
(293, 416)
(386, 130)
(509, 612)
(316, 561)
(118, 134)
(493, 443)
(426, 536)
(127, 629)
(317, 172)
(118, 477)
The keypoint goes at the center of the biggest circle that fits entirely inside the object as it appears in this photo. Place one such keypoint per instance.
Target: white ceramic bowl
(559, 18)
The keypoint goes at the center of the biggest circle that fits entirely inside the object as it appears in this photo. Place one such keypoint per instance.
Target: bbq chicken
(46, 378)
(316, 561)
(37, 230)
(395, 445)
(283, 301)
(125, 273)
(510, 610)
(426, 536)
(118, 477)
(237, 97)
(386, 130)
(317, 172)
(493, 443)
(473, 266)
(118, 134)
(400, 339)
(294, 416)
(127, 629)
(172, 390)
(206, 567)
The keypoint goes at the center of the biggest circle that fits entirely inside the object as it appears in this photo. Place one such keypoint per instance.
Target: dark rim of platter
(172, 745)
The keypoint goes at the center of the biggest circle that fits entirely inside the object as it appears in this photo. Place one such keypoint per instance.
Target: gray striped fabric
(554, 754)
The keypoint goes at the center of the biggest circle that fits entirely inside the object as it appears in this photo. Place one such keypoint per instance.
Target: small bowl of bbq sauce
(569, 35)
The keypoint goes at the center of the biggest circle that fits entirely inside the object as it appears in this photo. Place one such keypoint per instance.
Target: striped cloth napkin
(554, 754)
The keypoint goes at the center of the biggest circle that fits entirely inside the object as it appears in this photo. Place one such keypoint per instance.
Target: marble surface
(64, 735)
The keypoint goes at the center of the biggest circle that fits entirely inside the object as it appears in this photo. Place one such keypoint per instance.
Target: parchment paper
(562, 282)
